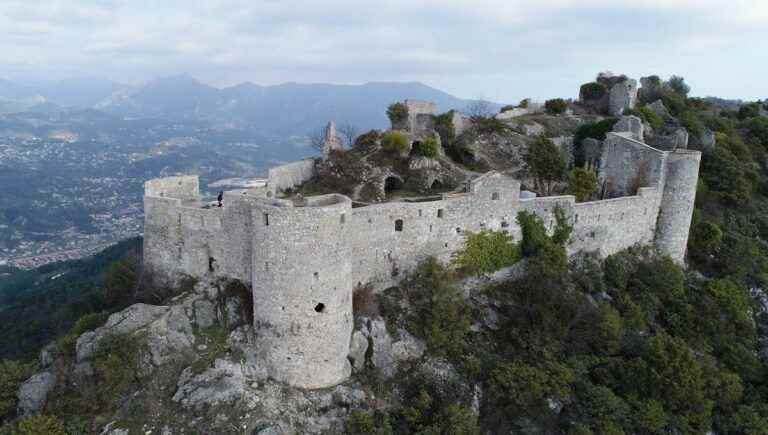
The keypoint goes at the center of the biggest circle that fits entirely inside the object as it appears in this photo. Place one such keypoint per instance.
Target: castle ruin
(303, 257)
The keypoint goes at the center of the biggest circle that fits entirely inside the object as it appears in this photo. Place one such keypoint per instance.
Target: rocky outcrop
(372, 345)
(34, 392)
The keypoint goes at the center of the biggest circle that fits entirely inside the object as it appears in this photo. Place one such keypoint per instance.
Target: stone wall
(304, 260)
(289, 175)
(627, 164)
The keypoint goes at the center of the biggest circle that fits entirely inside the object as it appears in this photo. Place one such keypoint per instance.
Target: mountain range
(280, 110)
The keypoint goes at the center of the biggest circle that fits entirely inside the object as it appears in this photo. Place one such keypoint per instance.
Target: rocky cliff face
(193, 368)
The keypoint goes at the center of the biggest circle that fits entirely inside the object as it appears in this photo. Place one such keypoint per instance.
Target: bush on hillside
(395, 142)
(486, 252)
(556, 106)
(397, 113)
(592, 91)
(426, 148)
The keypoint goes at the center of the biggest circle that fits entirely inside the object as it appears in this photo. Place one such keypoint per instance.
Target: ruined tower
(677, 201)
(302, 289)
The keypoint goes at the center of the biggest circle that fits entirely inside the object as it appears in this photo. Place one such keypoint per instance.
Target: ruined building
(303, 257)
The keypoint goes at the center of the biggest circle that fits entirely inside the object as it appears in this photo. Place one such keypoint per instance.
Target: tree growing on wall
(397, 113)
(545, 164)
(582, 183)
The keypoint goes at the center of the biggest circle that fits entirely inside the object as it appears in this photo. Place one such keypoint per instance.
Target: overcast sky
(501, 50)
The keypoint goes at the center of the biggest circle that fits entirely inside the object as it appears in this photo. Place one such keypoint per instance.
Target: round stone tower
(302, 289)
(676, 210)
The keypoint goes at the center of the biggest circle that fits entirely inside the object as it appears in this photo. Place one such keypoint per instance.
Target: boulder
(34, 392)
(127, 321)
(357, 348)
(225, 382)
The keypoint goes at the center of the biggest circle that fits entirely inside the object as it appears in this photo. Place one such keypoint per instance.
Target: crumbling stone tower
(677, 202)
(302, 289)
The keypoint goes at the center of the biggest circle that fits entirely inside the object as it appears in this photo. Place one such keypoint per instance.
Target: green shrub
(12, 374)
(691, 122)
(439, 313)
(360, 423)
(426, 148)
(40, 425)
(66, 344)
(486, 252)
(397, 113)
(445, 128)
(545, 163)
(367, 141)
(395, 141)
(592, 91)
(555, 106)
(521, 386)
(678, 85)
(582, 183)
(652, 118)
(116, 365)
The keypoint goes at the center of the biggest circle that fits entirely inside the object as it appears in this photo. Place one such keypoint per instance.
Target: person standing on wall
(220, 197)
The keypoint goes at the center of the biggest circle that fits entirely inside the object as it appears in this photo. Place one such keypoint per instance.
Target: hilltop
(514, 332)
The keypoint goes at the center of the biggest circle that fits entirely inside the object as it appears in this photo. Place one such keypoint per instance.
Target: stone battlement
(303, 257)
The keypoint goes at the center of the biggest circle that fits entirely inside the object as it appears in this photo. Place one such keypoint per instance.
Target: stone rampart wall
(289, 175)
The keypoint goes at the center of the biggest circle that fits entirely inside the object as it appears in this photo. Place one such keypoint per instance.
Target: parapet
(183, 187)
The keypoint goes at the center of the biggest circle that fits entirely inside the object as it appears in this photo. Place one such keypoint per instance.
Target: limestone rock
(622, 96)
(170, 337)
(631, 124)
(357, 348)
(34, 391)
(205, 314)
(658, 108)
(127, 321)
(47, 354)
(407, 347)
(222, 383)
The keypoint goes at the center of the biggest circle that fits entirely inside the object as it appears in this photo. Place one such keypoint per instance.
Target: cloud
(505, 49)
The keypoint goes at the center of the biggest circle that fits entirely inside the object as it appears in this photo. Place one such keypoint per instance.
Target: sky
(501, 50)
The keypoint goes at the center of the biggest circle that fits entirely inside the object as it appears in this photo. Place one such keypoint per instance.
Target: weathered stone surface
(357, 349)
(631, 124)
(127, 321)
(623, 96)
(407, 347)
(205, 314)
(34, 392)
(659, 108)
(331, 141)
(222, 383)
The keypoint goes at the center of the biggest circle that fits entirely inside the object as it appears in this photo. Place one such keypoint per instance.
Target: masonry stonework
(302, 257)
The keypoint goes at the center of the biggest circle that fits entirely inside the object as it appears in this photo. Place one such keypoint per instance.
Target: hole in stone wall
(504, 224)
(458, 230)
(440, 213)
(495, 196)
(399, 225)
(316, 275)
(436, 185)
(430, 228)
(343, 218)
(211, 261)
(419, 213)
(392, 184)
(319, 308)
(266, 219)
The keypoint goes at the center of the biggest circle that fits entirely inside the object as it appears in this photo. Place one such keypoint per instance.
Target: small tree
(555, 106)
(395, 141)
(426, 148)
(397, 113)
(582, 183)
(545, 164)
(486, 252)
(40, 425)
(12, 374)
(678, 85)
